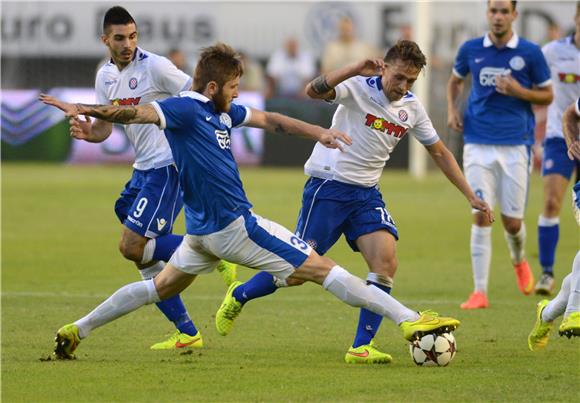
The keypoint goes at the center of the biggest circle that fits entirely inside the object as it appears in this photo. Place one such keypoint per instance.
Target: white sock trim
(151, 271)
(547, 221)
(386, 281)
(148, 251)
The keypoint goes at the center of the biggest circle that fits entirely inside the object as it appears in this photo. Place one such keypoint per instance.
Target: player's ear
(104, 39)
(212, 88)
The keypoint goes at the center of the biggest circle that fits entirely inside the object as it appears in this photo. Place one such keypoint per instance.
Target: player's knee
(513, 226)
(552, 207)
(291, 282)
(130, 250)
(386, 266)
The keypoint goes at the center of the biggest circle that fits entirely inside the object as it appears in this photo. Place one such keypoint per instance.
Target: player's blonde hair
(219, 63)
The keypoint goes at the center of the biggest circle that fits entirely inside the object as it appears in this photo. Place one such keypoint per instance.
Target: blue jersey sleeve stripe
(162, 121)
(545, 83)
(456, 73)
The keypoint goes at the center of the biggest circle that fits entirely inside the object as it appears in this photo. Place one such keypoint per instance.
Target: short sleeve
(423, 129)
(239, 114)
(540, 72)
(100, 93)
(344, 91)
(461, 65)
(174, 112)
(168, 78)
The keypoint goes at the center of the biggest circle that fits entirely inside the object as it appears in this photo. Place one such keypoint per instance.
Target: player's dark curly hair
(406, 51)
(219, 63)
(117, 16)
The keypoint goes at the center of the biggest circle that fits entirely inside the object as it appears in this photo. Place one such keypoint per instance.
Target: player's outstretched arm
(115, 114)
(322, 87)
(281, 124)
(448, 165)
(570, 121)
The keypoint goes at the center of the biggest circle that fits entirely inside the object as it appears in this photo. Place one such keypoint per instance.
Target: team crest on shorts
(549, 163)
(517, 63)
(133, 83)
(403, 115)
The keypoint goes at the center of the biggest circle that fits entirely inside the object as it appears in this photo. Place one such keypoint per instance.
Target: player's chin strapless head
(217, 75)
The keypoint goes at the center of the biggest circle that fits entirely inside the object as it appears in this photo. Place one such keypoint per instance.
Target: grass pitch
(60, 259)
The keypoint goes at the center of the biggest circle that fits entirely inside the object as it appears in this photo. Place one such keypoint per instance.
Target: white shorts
(250, 240)
(499, 174)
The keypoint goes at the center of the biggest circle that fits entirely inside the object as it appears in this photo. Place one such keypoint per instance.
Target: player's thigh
(259, 243)
(515, 162)
(555, 186)
(192, 257)
(481, 172)
(171, 281)
(157, 204)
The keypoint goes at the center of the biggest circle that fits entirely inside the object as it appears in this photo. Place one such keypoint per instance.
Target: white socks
(148, 251)
(153, 270)
(480, 256)
(126, 299)
(516, 244)
(568, 299)
(355, 292)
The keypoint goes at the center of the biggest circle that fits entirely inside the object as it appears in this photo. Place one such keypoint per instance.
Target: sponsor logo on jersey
(569, 78)
(126, 101)
(133, 83)
(517, 63)
(134, 221)
(226, 120)
(383, 125)
(223, 139)
(487, 75)
(161, 223)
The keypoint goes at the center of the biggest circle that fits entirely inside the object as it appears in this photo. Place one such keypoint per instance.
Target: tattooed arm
(281, 124)
(108, 113)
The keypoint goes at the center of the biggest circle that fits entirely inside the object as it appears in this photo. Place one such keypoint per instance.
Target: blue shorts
(555, 160)
(331, 208)
(151, 201)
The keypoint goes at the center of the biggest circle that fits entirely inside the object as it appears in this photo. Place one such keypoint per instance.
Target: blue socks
(175, 311)
(165, 245)
(260, 285)
(368, 322)
(548, 234)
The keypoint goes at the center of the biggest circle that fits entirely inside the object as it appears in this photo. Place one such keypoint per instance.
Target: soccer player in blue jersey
(341, 195)
(151, 200)
(509, 75)
(567, 302)
(219, 220)
(563, 56)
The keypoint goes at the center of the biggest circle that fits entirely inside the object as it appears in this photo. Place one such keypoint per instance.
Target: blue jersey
(490, 117)
(199, 138)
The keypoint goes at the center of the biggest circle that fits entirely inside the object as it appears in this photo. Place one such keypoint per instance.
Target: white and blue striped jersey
(199, 137)
(375, 125)
(490, 117)
(563, 57)
(147, 78)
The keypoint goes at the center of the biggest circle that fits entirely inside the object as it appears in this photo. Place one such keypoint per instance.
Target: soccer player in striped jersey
(151, 199)
(563, 57)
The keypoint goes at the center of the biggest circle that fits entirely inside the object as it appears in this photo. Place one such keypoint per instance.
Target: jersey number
(140, 207)
(385, 216)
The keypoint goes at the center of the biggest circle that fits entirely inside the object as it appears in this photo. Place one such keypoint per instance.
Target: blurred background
(55, 47)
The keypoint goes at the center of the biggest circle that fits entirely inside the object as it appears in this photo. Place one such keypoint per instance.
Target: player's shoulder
(527, 45)
(411, 100)
(474, 43)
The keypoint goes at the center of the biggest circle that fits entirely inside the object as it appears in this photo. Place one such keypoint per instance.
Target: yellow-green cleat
(540, 334)
(67, 340)
(228, 271)
(229, 310)
(570, 325)
(428, 322)
(366, 354)
(179, 340)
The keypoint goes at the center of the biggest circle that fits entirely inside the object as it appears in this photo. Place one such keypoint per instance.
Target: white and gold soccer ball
(433, 350)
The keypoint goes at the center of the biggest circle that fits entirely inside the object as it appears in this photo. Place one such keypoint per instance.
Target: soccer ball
(433, 350)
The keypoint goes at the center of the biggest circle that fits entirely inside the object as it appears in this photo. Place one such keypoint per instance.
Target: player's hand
(79, 129)
(70, 110)
(574, 151)
(507, 85)
(482, 206)
(371, 67)
(331, 138)
(455, 121)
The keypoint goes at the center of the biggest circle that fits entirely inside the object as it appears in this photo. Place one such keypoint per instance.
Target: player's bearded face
(398, 78)
(122, 42)
(226, 94)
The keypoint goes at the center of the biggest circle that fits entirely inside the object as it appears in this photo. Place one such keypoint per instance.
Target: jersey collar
(195, 95)
(512, 43)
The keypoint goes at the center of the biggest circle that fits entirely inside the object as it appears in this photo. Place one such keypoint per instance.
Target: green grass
(60, 259)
